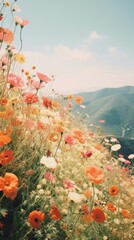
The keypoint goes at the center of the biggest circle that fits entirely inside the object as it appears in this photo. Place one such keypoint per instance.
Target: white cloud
(77, 69)
(93, 36)
(67, 53)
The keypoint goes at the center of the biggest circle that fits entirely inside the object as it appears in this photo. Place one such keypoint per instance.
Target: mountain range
(110, 108)
(111, 111)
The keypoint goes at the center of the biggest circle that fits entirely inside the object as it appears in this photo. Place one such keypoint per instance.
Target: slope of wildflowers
(58, 178)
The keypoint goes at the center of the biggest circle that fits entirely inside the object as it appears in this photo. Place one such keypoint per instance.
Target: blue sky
(86, 44)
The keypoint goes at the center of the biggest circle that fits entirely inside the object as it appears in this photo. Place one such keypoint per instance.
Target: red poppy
(35, 218)
(55, 213)
(113, 190)
(3, 101)
(94, 174)
(6, 156)
(47, 102)
(87, 154)
(98, 215)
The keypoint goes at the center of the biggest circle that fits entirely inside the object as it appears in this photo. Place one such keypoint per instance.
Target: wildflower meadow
(59, 178)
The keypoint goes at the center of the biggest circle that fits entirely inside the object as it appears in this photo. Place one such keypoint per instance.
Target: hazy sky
(85, 44)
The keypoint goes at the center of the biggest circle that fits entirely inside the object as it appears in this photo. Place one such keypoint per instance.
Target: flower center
(36, 220)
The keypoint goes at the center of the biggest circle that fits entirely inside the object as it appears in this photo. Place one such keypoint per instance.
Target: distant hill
(113, 105)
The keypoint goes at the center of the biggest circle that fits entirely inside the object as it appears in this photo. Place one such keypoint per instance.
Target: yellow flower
(20, 58)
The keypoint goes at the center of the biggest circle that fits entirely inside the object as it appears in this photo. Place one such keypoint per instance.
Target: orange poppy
(58, 129)
(55, 104)
(53, 137)
(94, 174)
(126, 213)
(78, 100)
(98, 146)
(2, 183)
(70, 97)
(16, 122)
(6, 156)
(110, 206)
(7, 113)
(6, 35)
(55, 213)
(77, 134)
(87, 218)
(4, 139)
(9, 185)
(98, 215)
(3, 101)
(35, 218)
(113, 190)
(87, 193)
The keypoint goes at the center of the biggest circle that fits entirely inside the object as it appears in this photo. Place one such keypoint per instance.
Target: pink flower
(4, 59)
(43, 77)
(68, 184)
(30, 98)
(37, 85)
(49, 176)
(70, 105)
(91, 134)
(29, 124)
(15, 81)
(108, 167)
(101, 121)
(69, 139)
(124, 160)
(24, 22)
(87, 154)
